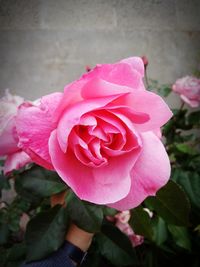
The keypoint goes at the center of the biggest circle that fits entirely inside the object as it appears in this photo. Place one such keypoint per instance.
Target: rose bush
(15, 157)
(99, 135)
(188, 88)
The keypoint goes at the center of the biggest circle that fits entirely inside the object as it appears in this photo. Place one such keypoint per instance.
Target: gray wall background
(45, 44)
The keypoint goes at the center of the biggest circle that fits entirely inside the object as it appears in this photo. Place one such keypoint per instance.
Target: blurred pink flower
(122, 224)
(188, 88)
(15, 157)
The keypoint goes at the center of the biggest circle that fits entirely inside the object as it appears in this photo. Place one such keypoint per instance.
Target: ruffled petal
(136, 63)
(127, 72)
(9, 139)
(149, 174)
(72, 116)
(34, 126)
(151, 104)
(100, 88)
(16, 161)
(98, 185)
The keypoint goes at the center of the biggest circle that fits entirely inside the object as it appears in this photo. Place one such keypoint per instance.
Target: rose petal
(93, 184)
(134, 116)
(136, 63)
(34, 126)
(128, 72)
(100, 88)
(150, 173)
(190, 102)
(151, 104)
(9, 139)
(16, 161)
(72, 116)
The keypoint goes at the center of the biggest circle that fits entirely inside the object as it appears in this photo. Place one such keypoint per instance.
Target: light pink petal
(190, 102)
(118, 168)
(121, 73)
(97, 185)
(100, 88)
(72, 116)
(72, 94)
(136, 63)
(126, 138)
(151, 104)
(134, 116)
(34, 126)
(9, 139)
(158, 132)
(16, 161)
(8, 107)
(149, 174)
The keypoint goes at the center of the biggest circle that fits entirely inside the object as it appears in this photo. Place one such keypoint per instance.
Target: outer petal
(119, 73)
(98, 185)
(151, 104)
(190, 102)
(8, 108)
(34, 126)
(16, 161)
(100, 88)
(8, 139)
(136, 63)
(128, 72)
(72, 94)
(150, 173)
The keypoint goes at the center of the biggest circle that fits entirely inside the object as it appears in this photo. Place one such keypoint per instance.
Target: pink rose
(188, 88)
(99, 135)
(122, 224)
(15, 157)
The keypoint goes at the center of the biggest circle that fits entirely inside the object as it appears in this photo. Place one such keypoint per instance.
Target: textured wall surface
(45, 44)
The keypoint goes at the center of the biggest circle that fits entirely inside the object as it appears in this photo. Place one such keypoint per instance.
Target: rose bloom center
(102, 134)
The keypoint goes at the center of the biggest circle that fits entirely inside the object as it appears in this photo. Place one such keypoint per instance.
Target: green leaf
(4, 183)
(171, 203)
(37, 183)
(159, 230)
(164, 90)
(190, 181)
(109, 211)
(185, 148)
(4, 233)
(141, 222)
(115, 246)
(87, 216)
(15, 211)
(180, 236)
(46, 233)
(14, 264)
(3, 256)
(17, 252)
(194, 118)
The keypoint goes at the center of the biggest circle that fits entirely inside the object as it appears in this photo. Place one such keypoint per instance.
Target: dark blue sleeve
(60, 258)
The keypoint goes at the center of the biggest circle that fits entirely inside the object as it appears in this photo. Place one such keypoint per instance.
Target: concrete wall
(45, 44)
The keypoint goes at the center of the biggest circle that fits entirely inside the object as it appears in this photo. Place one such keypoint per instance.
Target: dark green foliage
(46, 232)
(37, 183)
(141, 222)
(171, 203)
(115, 246)
(85, 215)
